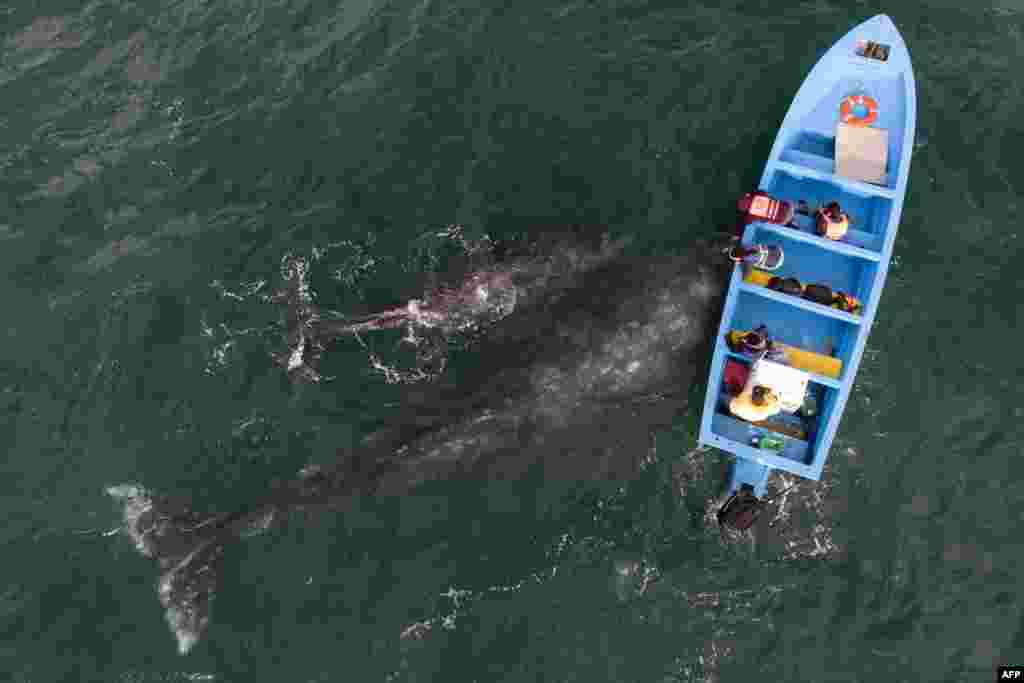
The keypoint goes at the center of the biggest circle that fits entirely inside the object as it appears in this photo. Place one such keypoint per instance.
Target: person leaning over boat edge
(763, 256)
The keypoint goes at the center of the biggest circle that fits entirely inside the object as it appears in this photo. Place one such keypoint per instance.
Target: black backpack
(819, 294)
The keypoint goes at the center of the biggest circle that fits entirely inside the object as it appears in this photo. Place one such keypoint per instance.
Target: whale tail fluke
(188, 548)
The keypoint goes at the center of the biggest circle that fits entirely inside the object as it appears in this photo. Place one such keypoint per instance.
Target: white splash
(295, 359)
(259, 525)
(136, 503)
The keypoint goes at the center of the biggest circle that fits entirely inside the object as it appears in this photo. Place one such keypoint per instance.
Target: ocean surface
(159, 159)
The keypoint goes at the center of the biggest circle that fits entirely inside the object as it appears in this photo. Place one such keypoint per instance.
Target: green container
(771, 442)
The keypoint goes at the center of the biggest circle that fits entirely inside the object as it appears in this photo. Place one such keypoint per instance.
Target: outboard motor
(741, 510)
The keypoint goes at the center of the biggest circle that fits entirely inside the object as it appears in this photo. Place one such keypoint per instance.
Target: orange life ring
(848, 110)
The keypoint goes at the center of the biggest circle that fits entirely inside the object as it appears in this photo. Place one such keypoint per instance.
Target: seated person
(755, 403)
(832, 222)
(756, 343)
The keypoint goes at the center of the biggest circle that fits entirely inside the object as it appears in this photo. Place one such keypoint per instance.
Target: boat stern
(746, 471)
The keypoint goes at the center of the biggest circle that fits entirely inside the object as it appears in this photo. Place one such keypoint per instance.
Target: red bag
(760, 206)
(736, 375)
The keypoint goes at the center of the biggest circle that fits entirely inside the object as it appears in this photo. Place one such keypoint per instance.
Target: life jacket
(832, 228)
(760, 206)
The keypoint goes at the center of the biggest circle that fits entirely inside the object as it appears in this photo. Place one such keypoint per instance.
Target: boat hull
(808, 162)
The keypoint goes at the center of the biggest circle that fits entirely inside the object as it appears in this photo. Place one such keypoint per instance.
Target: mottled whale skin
(486, 283)
(599, 353)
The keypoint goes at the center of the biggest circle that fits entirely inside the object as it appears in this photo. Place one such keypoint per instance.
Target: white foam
(186, 639)
(125, 491)
(183, 621)
(136, 503)
(295, 359)
(259, 525)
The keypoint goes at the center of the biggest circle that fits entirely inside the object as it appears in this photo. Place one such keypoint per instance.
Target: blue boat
(847, 138)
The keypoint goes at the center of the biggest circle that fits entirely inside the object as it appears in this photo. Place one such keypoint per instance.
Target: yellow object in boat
(808, 361)
(758, 277)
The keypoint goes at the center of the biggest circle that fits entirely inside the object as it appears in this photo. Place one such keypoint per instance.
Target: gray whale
(573, 384)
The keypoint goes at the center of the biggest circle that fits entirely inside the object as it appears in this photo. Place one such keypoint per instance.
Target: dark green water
(157, 160)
